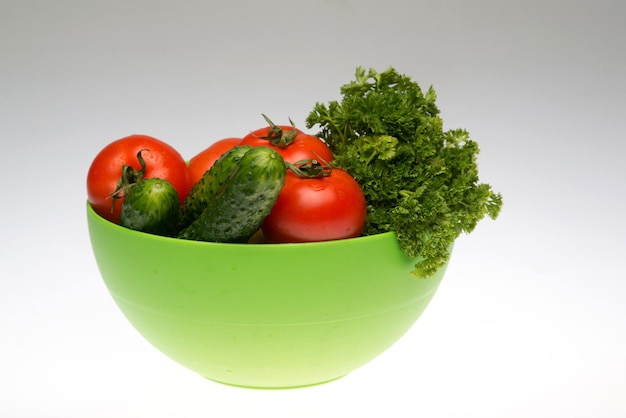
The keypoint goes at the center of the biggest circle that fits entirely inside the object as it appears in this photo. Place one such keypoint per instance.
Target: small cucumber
(248, 197)
(211, 185)
(151, 206)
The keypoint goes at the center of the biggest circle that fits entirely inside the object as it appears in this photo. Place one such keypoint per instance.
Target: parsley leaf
(420, 181)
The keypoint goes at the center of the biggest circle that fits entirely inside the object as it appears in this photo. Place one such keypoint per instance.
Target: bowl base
(275, 387)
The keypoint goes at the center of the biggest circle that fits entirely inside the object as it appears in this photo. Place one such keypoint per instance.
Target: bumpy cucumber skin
(248, 198)
(211, 185)
(151, 206)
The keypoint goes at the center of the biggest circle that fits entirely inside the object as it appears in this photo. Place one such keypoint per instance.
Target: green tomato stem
(277, 136)
(129, 177)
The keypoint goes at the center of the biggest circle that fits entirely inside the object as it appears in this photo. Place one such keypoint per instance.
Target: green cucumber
(211, 185)
(151, 205)
(247, 198)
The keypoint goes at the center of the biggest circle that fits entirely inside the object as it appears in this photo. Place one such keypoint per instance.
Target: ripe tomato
(205, 159)
(317, 209)
(291, 143)
(161, 160)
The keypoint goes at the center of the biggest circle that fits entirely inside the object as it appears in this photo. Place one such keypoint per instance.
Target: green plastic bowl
(262, 315)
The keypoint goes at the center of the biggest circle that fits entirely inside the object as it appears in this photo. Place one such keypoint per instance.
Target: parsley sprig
(420, 181)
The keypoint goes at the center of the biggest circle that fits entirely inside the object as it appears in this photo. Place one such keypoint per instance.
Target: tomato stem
(129, 177)
(277, 136)
(310, 168)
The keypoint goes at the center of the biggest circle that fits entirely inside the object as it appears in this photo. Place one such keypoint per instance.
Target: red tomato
(161, 160)
(302, 147)
(205, 159)
(317, 209)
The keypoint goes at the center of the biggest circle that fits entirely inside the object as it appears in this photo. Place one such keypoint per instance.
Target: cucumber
(247, 198)
(151, 206)
(211, 185)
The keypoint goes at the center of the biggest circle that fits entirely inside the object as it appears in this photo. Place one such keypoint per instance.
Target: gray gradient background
(529, 321)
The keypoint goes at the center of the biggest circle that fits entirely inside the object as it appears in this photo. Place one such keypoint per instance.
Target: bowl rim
(363, 238)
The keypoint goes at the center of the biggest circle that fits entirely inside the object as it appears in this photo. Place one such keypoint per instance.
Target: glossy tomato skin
(205, 159)
(162, 161)
(303, 147)
(320, 209)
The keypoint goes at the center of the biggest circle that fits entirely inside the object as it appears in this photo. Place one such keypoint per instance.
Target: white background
(530, 319)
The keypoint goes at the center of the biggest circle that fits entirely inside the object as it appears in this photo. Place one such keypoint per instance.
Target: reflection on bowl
(262, 315)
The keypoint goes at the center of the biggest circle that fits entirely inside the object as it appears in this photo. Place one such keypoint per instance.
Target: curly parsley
(420, 181)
